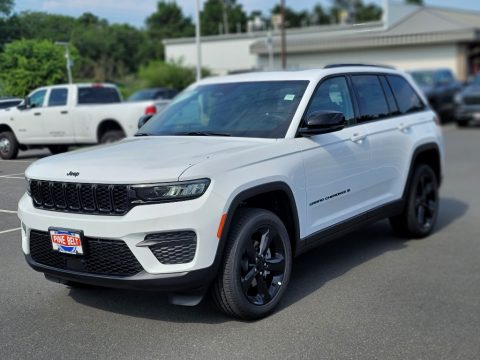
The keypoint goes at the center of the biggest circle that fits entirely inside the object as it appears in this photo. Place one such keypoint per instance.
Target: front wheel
(421, 209)
(256, 267)
(8, 145)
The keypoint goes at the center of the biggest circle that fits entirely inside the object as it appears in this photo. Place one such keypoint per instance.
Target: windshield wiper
(203, 133)
(142, 134)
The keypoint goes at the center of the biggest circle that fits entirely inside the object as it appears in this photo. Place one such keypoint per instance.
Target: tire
(251, 282)
(421, 209)
(8, 145)
(112, 136)
(58, 149)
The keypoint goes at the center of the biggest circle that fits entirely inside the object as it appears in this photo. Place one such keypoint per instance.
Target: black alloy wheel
(256, 266)
(262, 266)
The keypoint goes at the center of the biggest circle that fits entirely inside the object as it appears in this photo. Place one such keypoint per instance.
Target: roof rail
(331, 66)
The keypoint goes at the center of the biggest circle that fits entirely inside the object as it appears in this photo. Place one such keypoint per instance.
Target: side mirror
(322, 122)
(142, 121)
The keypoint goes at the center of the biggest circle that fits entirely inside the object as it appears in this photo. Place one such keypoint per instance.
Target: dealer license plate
(67, 241)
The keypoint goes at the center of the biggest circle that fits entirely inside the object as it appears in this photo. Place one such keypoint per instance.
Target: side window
(333, 95)
(58, 97)
(407, 99)
(371, 99)
(37, 98)
(392, 105)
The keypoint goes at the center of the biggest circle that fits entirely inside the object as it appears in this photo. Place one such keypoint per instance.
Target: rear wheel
(421, 210)
(112, 136)
(8, 145)
(256, 267)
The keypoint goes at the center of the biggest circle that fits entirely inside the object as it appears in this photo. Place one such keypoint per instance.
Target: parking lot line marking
(9, 230)
(8, 211)
(10, 175)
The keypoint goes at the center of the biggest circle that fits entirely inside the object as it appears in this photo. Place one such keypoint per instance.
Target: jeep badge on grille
(71, 173)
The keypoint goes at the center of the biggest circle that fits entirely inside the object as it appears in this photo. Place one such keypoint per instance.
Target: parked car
(232, 180)
(440, 87)
(8, 102)
(153, 94)
(467, 110)
(62, 115)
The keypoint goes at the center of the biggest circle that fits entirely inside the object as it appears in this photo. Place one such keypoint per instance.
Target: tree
(168, 74)
(167, 22)
(28, 64)
(415, 2)
(357, 11)
(320, 16)
(293, 19)
(212, 17)
(6, 6)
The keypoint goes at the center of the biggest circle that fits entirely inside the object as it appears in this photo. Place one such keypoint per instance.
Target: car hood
(138, 160)
(471, 90)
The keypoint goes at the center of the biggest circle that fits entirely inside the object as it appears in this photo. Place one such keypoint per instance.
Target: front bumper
(194, 280)
(467, 113)
(132, 229)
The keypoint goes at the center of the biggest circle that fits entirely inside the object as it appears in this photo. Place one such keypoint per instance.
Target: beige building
(409, 37)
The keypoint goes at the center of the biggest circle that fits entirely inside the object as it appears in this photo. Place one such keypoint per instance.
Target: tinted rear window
(371, 99)
(407, 99)
(98, 95)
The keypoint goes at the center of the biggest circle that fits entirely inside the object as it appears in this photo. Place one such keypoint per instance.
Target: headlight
(458, 98)
(178, 191)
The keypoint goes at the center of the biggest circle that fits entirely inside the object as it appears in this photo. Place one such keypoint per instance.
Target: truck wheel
(58, 149)
(112, 136)
(256, 266)
(8, 145)
(421, 209)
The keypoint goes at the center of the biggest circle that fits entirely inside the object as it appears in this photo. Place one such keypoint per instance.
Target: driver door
(29, 120)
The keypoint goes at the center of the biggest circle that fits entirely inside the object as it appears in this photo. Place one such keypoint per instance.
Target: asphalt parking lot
(368, 295)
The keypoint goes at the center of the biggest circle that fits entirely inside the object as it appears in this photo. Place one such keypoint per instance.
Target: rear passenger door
(391, 107)
(336, 164)
(57, 120)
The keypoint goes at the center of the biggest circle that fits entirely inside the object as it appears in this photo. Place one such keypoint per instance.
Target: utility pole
(225, 16)
(282, 30)
(68, 59)
(197, 41)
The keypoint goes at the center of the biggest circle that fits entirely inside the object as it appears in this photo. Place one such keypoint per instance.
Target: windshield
(143, 95)
(247, 109)
(426, 78)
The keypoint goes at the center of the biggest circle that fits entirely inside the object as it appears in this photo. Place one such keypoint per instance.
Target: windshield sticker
(289, 97)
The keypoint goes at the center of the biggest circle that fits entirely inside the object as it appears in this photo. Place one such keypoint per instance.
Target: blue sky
(135, 11)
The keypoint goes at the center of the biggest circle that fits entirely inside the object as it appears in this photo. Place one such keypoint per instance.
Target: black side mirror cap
(322, 122)
(142, 121)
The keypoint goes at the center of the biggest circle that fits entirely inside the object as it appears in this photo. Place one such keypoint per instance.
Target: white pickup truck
(62, 115)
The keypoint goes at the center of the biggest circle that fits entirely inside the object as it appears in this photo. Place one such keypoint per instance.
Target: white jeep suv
(232, 180)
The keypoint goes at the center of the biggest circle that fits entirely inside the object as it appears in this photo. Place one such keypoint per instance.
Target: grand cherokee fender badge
(72, 173)
(330, 197)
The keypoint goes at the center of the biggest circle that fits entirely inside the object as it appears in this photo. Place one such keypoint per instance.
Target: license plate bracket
(67, 241)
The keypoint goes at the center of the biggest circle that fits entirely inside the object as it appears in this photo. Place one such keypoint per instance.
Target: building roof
(425, 25)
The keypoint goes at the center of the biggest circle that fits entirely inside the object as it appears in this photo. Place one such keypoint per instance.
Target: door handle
(64, 112)
(357, 137)
(37, 114)
(403, 127)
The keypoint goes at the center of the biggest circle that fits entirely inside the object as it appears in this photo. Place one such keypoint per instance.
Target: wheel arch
(5, 127)
(282, 203)
(107, 125)
(428, 154)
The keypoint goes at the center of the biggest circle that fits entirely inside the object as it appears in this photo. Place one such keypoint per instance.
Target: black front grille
(471, 100)
(173, 247)
(80, 198)
(102, 257)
